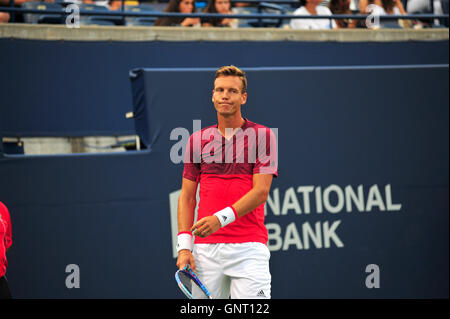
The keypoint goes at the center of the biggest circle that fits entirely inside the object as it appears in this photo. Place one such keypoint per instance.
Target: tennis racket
(188, 282)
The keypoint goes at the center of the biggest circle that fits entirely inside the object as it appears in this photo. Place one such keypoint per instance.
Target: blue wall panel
(81, 88)
(382, 129)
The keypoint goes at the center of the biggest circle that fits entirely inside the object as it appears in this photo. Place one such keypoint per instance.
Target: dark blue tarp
(382, 131)
(75, 88)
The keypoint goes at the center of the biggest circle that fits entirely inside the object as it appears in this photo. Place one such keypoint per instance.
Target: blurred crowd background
(227, 7)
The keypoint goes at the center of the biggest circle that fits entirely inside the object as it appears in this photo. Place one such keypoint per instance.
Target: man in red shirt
(5, 243)
(234, 163)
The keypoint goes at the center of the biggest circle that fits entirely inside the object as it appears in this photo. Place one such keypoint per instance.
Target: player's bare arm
(185, 215)
(247, 203)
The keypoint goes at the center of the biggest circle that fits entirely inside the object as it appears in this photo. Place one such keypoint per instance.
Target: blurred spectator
(117, 4)
(101, 3)
(312, 7)
(424, 6)
(4, 17)
(241, 4)
(182, 6)
(394, 6)
(363, 5)
(386, 7)
(342, 7)
(222, 7)
(110, 4)
(17, 3)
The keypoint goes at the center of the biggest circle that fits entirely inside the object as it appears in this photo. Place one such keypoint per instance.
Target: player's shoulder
(257, 126)
(202, 131)
(249, 123)
(3, 209)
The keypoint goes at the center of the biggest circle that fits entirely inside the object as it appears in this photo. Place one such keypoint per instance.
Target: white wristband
(226, 216)
(184, 241)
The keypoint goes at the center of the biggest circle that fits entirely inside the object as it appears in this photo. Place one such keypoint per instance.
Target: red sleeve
(6, 220)
(267, 154)
(192, 158)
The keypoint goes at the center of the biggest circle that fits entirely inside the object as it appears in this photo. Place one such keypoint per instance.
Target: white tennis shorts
(237, 270)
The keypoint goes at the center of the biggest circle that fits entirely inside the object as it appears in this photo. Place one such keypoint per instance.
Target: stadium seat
(44, 17)
(85, 19)
(140, 21)
(263, 7)
(271, 8)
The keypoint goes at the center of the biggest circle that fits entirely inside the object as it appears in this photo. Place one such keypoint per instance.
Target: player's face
(227, 95)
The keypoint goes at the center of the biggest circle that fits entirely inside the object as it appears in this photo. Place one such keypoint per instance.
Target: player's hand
(206, 226)
(185, 257)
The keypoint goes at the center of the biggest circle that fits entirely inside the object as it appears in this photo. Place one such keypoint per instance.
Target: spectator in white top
(312, 7)
(424, 6)
(386, 7)
(381, 7)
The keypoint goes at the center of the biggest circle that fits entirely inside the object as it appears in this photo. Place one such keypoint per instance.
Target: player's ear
(244, 98)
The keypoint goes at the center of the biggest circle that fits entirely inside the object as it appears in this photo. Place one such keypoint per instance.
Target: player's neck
(233, 122)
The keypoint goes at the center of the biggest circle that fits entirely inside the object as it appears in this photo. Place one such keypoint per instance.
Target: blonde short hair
(231, 70)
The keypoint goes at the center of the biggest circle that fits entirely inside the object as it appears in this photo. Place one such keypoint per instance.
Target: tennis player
(234, 162)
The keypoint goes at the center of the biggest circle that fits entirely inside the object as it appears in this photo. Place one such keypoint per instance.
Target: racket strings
(187, 281)
(190, 287)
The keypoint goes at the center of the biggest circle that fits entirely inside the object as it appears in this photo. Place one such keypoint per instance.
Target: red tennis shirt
(5, 237)
(225, 168)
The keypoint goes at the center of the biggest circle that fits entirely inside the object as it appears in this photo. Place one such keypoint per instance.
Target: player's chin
(226, 113)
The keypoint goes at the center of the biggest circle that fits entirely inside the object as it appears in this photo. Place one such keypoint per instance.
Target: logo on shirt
(260, 294)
